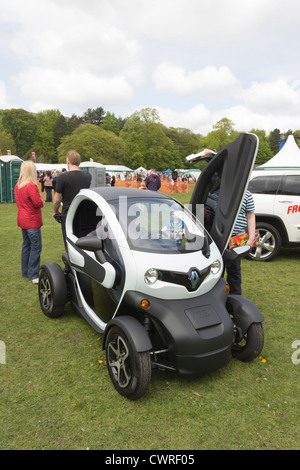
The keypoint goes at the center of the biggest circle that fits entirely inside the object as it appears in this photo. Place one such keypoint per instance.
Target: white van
(276, 194)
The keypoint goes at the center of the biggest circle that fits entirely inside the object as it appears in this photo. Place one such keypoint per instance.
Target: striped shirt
(241, 225)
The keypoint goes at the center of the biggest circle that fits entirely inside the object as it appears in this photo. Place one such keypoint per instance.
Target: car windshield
(160, 225)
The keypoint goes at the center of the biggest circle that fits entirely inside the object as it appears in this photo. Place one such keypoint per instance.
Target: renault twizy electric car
(143, 270)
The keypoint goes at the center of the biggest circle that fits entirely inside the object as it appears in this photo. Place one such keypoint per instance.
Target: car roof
(111, 193)
(282, 170)
(274, 171)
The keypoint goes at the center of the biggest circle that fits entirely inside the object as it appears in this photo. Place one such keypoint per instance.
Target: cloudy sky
(195, 61)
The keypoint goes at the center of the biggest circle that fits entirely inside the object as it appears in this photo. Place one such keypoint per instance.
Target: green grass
(54, 393)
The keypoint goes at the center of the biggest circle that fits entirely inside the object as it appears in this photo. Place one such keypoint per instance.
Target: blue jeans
(31, 252)
(48, 193)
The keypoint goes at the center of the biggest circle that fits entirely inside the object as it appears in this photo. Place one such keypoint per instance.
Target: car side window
(265, 184)
(86, 218)
(291, 185)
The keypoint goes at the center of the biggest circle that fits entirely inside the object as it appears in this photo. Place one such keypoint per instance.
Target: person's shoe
(35, 281)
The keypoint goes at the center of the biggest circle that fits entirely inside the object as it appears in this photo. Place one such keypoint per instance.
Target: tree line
(138, 140)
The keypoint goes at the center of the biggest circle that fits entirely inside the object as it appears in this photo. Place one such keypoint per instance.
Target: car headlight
(215, 267)
(151, 276)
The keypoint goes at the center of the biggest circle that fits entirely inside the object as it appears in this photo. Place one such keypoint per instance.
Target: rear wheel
(52, 290)
(129, 370)
(250, 346)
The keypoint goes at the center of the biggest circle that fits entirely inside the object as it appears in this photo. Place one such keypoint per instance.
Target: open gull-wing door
(228, 174)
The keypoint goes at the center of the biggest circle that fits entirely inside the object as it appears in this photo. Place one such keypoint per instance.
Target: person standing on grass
(152, 181)
(48, 184)
(245, 223)
(29, 219)
(69, 184)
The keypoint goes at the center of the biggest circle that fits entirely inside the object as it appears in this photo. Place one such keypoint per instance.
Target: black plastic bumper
(197, 332)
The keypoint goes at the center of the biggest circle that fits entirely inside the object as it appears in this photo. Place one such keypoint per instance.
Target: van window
(291, 185)
(265, 184)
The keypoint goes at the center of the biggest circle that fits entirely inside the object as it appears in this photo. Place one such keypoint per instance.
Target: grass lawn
(56, 392)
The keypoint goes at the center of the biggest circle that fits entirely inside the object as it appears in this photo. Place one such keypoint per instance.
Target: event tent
(141, 169)
(115, 169)
(50, 166)
(118, 169)
(287, 157)
(194, 172)
(91, 164)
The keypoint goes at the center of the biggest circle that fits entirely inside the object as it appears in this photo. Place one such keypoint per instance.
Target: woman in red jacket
(29, 218)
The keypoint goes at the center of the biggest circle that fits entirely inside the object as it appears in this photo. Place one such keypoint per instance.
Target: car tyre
(129, 370)
(269, 243)
(53, 292)
(251, 345)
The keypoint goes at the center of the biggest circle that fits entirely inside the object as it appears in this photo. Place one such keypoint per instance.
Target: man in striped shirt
(245, 223)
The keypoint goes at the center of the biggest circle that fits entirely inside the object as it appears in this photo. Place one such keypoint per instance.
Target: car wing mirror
(92, 243)
(236, 253)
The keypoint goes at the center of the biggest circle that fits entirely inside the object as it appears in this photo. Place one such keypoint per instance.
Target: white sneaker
(35, 281)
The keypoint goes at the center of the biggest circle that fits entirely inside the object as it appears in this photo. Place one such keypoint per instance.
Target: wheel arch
(137, 335)
(244, 311)
(59, 282)
(275, 222)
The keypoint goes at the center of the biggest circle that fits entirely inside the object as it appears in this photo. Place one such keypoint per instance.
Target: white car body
(276, 194)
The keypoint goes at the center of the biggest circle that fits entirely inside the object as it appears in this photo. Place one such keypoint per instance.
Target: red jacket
(29, 204)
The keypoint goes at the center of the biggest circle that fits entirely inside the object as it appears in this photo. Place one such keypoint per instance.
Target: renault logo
(194, 278)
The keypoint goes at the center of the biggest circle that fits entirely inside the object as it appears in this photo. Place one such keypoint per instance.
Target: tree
(297, 137)
(22, 126)
(185, 141)
(222, 134)
(73, 122)
(147, 142)
(41, 155)
(112, 123)
(46, 125)
(7, 143)
(61, 129)
(285, 135)
(264, 152)
(93, 142)
(274, 138)
(94, 116)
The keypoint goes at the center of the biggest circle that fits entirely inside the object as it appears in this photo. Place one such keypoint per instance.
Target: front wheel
(250, 345)
(129, 370)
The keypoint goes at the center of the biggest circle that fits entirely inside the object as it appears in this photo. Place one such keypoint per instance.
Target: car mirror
(235, 253)
(92, 243)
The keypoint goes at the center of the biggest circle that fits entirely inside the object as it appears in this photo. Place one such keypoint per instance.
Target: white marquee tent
(141, 169)
(287, 157)
(120, 170)
(50, 166)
